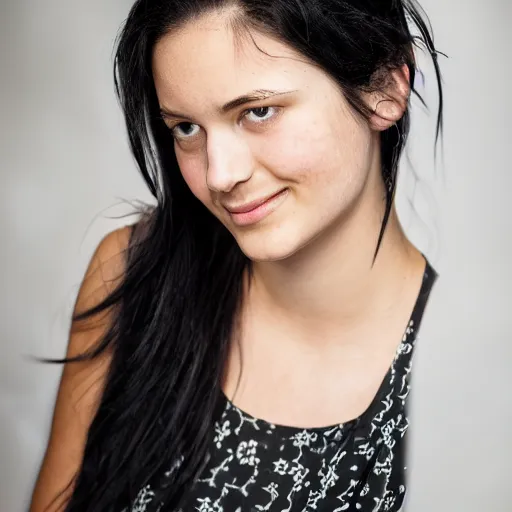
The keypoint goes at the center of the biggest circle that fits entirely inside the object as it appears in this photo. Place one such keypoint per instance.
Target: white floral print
(246, 452)
(257, 466)
(221, 432)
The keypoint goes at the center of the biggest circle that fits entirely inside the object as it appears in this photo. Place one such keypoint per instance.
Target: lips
(248, 207)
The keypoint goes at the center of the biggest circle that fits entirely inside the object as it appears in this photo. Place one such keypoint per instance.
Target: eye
(183, 131)
(260, 114)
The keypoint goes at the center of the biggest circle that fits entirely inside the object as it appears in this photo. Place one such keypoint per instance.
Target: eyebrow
(257, 95)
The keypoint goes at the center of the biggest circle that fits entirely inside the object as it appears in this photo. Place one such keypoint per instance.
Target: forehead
(206, 62)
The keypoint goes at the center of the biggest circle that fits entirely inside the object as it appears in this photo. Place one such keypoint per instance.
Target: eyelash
(244, 115)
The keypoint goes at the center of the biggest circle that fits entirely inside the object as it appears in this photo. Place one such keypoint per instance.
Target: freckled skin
(313, 144)
(317, 298)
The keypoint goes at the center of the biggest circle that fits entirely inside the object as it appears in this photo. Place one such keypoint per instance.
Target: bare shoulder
(108, 262)
(105, 270)
(82, 383)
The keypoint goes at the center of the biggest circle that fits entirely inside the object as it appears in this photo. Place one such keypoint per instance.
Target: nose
(229, 162)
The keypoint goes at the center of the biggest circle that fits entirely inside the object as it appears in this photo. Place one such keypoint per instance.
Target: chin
(267, 256)
(267, 247)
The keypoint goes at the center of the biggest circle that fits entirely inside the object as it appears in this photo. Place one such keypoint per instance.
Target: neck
(332, 284)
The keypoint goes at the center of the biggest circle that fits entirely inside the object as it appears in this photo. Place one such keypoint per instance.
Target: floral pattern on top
(256, 466)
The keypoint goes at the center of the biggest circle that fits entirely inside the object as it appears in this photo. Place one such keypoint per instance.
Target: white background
(65, 166)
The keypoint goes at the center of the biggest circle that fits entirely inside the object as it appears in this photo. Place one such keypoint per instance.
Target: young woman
(247, 344)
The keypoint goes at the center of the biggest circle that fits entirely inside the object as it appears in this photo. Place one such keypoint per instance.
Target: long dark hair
(176, 308)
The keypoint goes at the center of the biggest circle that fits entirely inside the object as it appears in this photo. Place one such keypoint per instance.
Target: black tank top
(254, 465)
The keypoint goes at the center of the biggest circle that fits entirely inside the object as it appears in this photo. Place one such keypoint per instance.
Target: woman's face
(250, 125)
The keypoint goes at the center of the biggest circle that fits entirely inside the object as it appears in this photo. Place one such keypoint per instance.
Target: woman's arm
(81, 383)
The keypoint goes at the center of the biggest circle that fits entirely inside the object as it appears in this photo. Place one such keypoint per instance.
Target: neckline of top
(429, 277)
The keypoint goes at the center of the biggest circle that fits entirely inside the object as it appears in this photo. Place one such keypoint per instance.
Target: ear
(390, 103)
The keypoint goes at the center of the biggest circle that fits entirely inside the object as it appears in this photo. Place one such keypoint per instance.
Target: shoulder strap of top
(429, 278)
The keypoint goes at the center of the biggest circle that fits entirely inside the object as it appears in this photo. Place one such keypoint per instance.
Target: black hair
(176, 307)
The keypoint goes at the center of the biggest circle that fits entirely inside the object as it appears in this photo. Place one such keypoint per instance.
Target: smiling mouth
(252, 205)
(253, 212)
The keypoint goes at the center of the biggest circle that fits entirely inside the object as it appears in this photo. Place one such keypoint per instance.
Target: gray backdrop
(65, 165)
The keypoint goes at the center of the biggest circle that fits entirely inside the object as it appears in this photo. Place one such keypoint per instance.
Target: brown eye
(183, 131)
(260, 114)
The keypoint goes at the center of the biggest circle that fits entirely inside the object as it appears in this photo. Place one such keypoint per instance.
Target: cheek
(321, 154)
(192, 170)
